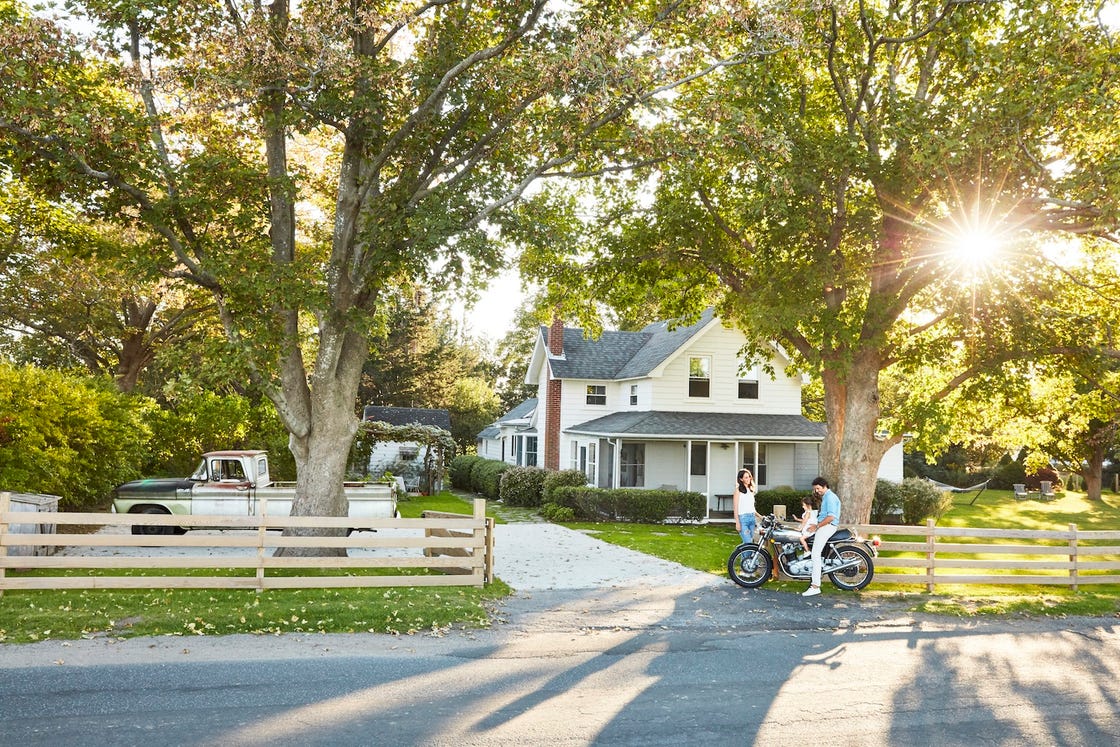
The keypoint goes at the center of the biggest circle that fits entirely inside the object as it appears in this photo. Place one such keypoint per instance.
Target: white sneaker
(812, 591)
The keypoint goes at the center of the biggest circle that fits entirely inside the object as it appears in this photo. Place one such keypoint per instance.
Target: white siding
(890, 468)
(806, 466)
(670, 391)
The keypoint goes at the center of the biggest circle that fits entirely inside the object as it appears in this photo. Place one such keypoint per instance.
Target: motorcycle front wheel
(859, 575)
(750, 566)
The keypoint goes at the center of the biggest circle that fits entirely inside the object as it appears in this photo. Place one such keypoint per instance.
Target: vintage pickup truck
(235, 483)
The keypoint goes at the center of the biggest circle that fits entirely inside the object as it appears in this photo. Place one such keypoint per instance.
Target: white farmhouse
(661, 407)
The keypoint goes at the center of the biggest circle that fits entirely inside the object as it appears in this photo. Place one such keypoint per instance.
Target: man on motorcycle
(828, 521)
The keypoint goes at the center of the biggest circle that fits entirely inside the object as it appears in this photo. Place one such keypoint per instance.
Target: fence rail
(961, 555)
(468, 536)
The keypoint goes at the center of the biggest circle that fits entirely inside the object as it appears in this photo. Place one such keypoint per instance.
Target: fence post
(483, 538)
(262, 512)
(5, 506)
(1073, 556)
(931, 555)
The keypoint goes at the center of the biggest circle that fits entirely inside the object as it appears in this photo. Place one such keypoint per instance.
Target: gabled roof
(523, 410)
(702, 425)
(408, 416)
(622, 355)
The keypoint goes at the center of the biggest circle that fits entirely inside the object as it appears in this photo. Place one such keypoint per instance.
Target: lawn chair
(1020, 492)
(1046, 492)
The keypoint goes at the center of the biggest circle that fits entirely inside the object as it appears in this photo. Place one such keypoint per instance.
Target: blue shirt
(830, 506)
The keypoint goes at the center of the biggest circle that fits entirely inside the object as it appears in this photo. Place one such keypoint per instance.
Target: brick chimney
(552, 398)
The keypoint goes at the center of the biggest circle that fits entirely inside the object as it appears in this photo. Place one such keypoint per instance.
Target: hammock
(978, 487)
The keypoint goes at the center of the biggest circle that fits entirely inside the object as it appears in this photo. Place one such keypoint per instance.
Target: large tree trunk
(852, 404)
(1092, 473)
(322, 436)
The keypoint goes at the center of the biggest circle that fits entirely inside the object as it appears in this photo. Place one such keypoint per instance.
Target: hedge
(638, 505)
(459, 470)
(522, 486)
(765, 500)
(486, 475)
(553, 480)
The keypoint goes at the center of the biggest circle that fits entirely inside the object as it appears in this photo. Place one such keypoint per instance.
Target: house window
(408, 453)
(699, 460)
(530, 451)
(758, 468)
(592, 476)
(575, 455)
(518, 447)
(633, 394)
(632, 466)
(699, 376)
(748, 382)
(596, 394)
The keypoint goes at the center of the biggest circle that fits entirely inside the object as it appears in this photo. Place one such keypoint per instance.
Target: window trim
(596, 391)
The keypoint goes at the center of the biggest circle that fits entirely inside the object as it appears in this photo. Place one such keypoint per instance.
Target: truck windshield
(200, 472)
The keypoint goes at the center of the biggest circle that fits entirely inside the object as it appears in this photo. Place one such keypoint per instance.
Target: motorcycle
(847, 559)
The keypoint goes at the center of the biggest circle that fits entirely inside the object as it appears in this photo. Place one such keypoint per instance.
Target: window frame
(700, 386)
(600, 391)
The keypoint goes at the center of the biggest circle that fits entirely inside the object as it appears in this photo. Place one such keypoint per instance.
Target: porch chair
(1046, 492)
(1020, 492)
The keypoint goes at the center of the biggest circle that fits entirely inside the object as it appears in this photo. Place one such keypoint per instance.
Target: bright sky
(492, 317)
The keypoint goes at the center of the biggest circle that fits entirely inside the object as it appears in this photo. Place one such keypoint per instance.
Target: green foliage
(522, 486)
(460, 470)
(921, 501)
(646, 506)
(554, 480)
(556, 513)
(196, 423)
(486, 476)
(887, 505)
(69, 436)
(765, 500)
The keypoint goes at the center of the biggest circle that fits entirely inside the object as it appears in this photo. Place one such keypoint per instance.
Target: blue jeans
(746, 527)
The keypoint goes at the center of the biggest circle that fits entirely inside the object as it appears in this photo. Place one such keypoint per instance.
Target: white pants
(820, 539)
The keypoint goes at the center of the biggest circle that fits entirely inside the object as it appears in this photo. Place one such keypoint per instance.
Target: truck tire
(147, 529)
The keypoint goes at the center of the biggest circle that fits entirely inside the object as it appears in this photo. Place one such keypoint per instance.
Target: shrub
(460, 470)
(522, 486)
(921, 501)
(556, 513)
(71, 436)
(886, 506)
(630, 504)
(486, 475)
(554, 480)
(1043, 474)
(765, 500)
(1007, 475)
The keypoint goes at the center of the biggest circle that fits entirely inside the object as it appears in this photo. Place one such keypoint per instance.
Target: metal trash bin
(38, 503)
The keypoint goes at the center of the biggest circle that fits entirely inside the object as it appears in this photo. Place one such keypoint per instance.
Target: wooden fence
(960, 555)
(251, 548)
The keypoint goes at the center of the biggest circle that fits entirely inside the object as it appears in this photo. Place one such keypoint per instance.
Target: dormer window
(699, 376)
(596, 394)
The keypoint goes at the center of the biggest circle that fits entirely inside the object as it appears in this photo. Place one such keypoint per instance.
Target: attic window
(699, 377)
(748, 382)
(408, 453)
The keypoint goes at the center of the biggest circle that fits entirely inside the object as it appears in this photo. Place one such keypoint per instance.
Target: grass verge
(27, 616)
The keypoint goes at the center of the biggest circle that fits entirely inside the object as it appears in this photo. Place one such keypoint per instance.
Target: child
(809, 516)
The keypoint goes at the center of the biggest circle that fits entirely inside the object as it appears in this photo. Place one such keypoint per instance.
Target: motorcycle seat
(840, 535)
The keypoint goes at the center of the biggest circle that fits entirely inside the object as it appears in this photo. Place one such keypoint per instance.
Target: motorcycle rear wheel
(750, 566)
(856, 577)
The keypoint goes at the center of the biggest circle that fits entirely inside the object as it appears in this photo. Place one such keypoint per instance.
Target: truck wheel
(147, 529)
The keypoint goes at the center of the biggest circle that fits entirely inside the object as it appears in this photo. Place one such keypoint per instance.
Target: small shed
(420, 465)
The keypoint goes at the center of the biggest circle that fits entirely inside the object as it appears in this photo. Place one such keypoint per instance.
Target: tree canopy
(877, 195)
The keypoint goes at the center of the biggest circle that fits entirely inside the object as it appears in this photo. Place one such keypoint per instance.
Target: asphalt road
(644, 656)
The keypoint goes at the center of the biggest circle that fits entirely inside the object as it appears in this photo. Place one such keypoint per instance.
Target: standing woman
(743, 503)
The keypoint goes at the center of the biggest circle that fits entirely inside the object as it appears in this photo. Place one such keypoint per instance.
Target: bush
(638, 505)
(522, 486)
(556, 513)
(1007, 475)
(886, 506)
(765, 500)
(486, 476)
(71, 436)
(555, 480)
(460, 470)
(921, 501)
(1045, 474)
